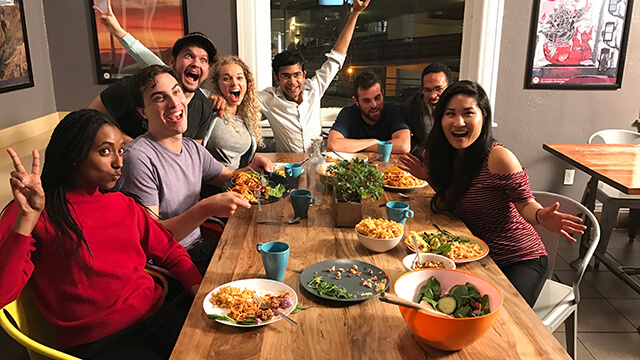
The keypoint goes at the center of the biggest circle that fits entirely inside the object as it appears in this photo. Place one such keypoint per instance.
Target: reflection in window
(609, 29)
(613, 5)
(396, 39)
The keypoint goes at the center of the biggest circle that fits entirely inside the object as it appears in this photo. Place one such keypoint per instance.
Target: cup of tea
(292, 172)
(275, 256)
(300, 200)
(384, 150)
(398, 211)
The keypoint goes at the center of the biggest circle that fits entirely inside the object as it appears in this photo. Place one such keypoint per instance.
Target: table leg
(585, 240)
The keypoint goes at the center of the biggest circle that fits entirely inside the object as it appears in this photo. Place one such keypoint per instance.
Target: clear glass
(315, 169)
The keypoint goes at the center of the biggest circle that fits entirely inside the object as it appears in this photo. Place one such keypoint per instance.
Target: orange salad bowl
(446, 333)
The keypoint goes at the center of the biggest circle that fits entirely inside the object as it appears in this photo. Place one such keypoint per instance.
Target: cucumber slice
(447, 304)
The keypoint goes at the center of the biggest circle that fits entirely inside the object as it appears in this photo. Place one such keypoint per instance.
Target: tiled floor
(608, 314)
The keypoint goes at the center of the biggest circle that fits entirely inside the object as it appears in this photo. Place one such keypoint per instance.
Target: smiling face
(192, 66)
(462, 121)
(433, 84)
(290, 78)
(102, 166)
(165, 107)
(232, 83)
(370, 102)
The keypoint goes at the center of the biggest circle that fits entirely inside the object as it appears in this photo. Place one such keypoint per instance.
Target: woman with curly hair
(234, 137)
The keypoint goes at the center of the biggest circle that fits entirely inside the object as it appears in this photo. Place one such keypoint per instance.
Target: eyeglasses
(296, 75)
(437, 90)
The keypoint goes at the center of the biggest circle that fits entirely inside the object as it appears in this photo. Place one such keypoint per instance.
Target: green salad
(462, 301)
(440, 242)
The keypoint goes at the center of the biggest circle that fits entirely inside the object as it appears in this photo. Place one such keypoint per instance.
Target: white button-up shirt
(295, 125)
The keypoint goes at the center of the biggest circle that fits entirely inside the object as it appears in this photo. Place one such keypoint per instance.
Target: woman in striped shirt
(480, 181)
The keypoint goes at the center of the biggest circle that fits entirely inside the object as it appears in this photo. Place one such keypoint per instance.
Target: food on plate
(246, 183)
(244, 307)
(331, 159)
(379, 228)
(397, 177)
(450, 245)
(431, 264)
(332, 290)
(461, 301)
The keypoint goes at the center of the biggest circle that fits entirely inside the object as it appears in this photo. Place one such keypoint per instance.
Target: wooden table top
(615, 164)
(331, 330)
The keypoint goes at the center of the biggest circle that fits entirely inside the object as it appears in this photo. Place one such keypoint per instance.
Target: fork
(264, 306)
(446, 232)
(257, 193)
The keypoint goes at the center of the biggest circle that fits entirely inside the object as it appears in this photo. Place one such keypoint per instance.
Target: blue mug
(275, 256)
(292, 172)
(384, 150)
(300, 200)
(398, 211)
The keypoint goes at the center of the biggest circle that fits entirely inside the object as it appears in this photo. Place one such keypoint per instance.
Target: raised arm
(27, 193)
(344, 39)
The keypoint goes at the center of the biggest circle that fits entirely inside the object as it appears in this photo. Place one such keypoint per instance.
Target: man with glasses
(419, 108)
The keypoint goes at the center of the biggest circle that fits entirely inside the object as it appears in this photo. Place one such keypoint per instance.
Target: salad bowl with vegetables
(471, 303)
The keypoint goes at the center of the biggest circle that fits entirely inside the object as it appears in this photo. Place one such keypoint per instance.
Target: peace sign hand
(27, 187)
(109, 20)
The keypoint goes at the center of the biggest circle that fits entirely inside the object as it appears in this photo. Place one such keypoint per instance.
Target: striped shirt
(488, 210)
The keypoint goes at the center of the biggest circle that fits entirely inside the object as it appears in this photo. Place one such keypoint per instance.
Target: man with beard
(361, 126)
(191, 57)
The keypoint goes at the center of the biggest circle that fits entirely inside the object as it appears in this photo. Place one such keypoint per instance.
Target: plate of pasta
(459, 247)
(398, 179)
(248, 185)
(235, 303)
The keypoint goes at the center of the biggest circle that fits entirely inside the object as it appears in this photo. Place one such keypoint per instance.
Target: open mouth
(176, 117)
(234, 95)
(459, 134)
(192, 75)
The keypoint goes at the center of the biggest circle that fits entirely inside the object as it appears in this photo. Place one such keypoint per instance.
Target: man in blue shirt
(361, 126)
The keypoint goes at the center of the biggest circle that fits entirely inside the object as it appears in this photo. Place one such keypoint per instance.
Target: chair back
(615, 136)
(551, 239)
(33, 331)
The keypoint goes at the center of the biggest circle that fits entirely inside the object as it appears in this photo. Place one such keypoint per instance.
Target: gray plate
(353, 284)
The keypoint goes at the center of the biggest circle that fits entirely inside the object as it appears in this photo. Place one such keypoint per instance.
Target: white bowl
(424, 257)
(378, 245)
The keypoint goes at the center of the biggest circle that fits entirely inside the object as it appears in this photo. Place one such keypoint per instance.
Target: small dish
(426, 257)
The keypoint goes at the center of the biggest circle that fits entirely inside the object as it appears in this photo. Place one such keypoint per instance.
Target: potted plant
(352, 181)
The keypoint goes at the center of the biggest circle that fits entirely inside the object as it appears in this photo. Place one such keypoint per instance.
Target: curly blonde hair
(249, 108)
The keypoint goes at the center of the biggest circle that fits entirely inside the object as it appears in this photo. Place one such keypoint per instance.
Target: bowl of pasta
(379, 235)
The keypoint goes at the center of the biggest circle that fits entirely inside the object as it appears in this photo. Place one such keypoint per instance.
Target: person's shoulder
(502, 161)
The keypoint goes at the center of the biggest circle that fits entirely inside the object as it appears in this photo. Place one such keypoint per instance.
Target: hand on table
(559, 222)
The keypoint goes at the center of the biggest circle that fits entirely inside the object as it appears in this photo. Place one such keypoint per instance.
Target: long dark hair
(451, 181)
(68, 148)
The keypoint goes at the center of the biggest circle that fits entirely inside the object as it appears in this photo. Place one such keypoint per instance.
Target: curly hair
(249, 108)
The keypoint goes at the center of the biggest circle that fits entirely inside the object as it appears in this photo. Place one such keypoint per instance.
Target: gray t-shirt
(229, 143)
(158, 176)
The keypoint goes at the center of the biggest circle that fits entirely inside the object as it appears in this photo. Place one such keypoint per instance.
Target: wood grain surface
(615, 164)
(330, 330)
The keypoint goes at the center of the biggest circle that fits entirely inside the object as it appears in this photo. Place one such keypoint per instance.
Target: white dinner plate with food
(398, 179)
(257, 287)
(280, 168)
(403, 188)
(467, 247)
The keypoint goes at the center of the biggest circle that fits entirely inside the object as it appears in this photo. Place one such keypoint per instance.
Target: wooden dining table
(617, 165)
(368, 329)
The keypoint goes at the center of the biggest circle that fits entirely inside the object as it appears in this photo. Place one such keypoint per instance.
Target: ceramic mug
(292, 172)
(384, 150)
(275, 256)
(300, 200)
(398, 211)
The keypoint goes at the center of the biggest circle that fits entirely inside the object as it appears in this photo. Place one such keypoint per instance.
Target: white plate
(261, 287)
(280, 167)
(346, 156)
(448, 263)
(405, 188)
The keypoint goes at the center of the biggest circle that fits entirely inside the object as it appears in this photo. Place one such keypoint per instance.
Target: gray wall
(71, 44)
(26, 104)
(528, 118)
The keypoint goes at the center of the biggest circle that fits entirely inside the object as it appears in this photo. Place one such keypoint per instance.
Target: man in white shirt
(293, 107)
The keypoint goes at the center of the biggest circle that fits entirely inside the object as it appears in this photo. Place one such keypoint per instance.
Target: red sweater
(111, 291)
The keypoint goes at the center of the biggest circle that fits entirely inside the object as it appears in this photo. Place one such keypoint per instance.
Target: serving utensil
(404, 196)
(264, 306)
(392, 299)
(415, 247)
(442, 231)
(305, 160)
(373, 159)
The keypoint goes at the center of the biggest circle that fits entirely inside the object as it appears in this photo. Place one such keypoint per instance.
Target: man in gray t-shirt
(166, 170)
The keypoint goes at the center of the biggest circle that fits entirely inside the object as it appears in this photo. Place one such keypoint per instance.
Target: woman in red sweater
(84, 254)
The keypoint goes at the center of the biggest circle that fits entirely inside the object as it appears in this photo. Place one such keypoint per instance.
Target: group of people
(122, 182)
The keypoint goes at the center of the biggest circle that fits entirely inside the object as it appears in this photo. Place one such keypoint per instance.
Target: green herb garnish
(277, 191)
(299, 308)
(332, 290)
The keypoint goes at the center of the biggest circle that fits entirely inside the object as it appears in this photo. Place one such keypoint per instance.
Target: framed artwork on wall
(155, 23)
(15, 62)
(578, 44)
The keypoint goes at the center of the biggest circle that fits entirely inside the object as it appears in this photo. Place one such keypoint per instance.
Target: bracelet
(537, 211)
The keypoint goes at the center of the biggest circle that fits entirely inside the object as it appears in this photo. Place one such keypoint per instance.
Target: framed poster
(15, 66)
(155, 23)
(578, 44)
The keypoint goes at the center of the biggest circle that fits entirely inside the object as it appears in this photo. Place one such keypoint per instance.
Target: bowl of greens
(470, 303)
